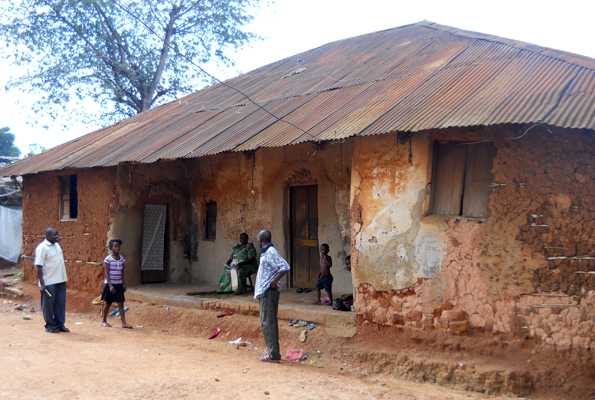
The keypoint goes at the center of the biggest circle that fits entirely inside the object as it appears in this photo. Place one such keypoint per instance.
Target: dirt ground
(168, 355)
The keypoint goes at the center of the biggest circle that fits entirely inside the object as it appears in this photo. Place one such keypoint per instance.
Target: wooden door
(305, 259)
(155, 249)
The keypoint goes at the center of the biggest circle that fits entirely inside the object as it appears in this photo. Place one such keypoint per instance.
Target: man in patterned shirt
(272, 268)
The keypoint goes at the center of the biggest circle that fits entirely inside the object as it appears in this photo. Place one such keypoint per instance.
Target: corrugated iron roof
(410, 78)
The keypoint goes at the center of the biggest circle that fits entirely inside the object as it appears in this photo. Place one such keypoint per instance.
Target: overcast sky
(293, 26)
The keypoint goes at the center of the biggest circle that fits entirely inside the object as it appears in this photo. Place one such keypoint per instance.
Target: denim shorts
(325, 282)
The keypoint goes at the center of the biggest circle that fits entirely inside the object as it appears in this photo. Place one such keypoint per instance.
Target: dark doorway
(155, 245)
(305, 258)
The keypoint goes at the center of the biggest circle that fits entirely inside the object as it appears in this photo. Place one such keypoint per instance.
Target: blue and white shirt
(271, 265)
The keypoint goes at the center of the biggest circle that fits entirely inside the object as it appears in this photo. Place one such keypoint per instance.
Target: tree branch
(164, 51)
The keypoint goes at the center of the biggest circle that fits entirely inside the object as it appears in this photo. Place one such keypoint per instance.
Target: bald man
(272, 268)
(51, 272)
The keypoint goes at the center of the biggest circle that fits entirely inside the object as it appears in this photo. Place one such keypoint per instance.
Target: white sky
(293, 26)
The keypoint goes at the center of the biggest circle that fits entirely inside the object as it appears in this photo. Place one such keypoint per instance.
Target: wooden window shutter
(449, 179)
(478, 177)
(64, 197)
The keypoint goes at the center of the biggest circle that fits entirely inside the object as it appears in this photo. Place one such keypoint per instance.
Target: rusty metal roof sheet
(410, 78)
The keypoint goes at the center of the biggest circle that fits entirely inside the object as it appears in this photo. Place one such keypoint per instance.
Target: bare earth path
(100, 363)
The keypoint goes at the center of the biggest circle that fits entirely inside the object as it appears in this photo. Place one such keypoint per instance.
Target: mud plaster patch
(429, 252)
(400, 255)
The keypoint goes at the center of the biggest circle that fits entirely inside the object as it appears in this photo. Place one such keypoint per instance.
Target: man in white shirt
(51, 272)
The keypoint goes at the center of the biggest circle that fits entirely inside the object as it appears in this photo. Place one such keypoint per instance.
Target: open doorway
(304, 236)
(155, 244)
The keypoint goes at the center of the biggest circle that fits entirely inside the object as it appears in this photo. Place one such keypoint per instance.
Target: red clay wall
(83, 240)
(520, 270)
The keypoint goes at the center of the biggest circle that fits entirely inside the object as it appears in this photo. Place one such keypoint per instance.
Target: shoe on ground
(267, 358)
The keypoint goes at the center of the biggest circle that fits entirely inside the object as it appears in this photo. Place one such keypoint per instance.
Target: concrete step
(322, 315)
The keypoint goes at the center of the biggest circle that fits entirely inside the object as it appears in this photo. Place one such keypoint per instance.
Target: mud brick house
(456, 168)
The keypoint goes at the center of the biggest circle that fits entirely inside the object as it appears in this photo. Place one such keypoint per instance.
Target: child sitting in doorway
(325, 279)
(114, 286)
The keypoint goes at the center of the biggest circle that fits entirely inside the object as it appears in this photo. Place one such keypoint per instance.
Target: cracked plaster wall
(522, 271)
(156, 183)
(251, 191)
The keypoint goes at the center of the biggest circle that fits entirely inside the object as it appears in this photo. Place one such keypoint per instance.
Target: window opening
(211, 221)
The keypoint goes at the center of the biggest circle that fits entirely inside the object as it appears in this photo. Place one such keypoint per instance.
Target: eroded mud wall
(524, 270)
(165, 183)
(251, 191)
(84, 239)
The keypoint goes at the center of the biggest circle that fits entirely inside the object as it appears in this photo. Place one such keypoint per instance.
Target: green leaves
(7, 147)
(104, 49)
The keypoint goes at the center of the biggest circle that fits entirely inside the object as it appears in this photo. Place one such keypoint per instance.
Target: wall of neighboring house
(252, 193)
(84, 239)
(524, 269)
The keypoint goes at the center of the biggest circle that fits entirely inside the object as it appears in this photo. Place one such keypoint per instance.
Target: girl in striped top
(114, 286)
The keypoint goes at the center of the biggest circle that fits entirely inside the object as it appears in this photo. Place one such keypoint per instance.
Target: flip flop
(300, 324)
(307, 290)
(292, 321)
(303, 336)
(224, 314)
(300, 290)
(127, 326)
(214, 334)
(106, 325)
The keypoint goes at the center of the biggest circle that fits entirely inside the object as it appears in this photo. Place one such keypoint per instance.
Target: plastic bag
(339, 305)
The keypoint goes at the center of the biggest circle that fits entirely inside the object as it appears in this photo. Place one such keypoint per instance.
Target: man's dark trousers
(269, 305)
(54, 308)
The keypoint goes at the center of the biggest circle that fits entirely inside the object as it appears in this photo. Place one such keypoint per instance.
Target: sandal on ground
(292, 321)
(267, 358)
(307, 290)
(300, 324)
(214, 334)
(303, 336)
(127, 326)
(106, 325)
(225, 314)
(300, 290)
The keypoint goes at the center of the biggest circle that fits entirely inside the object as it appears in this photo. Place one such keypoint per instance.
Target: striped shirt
(115, 269)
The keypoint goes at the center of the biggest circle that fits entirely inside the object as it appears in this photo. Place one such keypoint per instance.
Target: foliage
(35, 149)
(78, 49)
(7, 147)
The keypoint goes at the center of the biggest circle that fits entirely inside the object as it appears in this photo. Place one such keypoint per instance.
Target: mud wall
(158, 183)
(83, 240)
(524, 270)
(252, 193)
